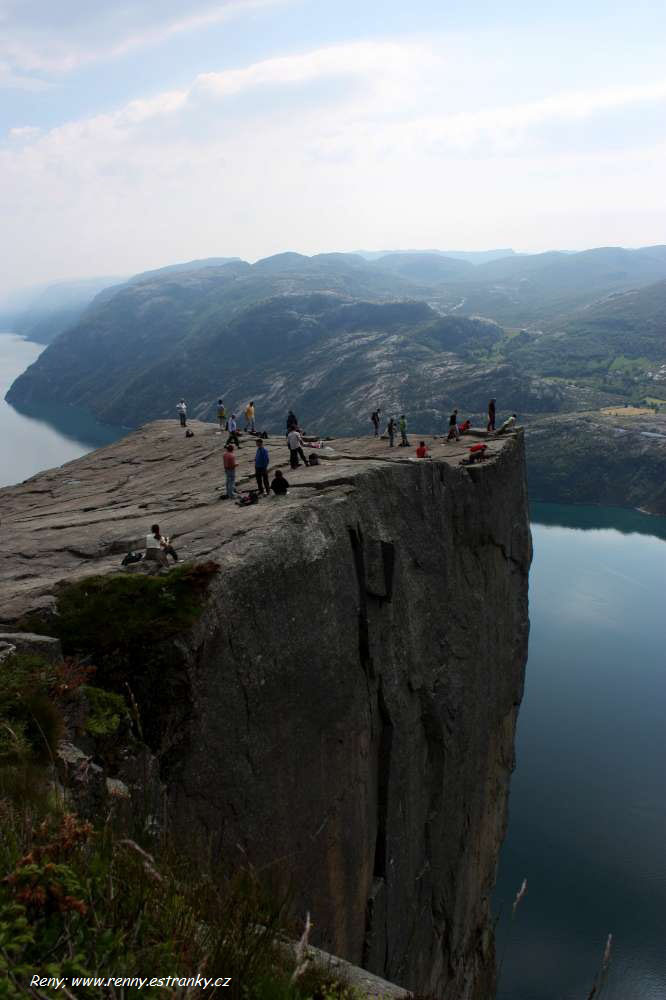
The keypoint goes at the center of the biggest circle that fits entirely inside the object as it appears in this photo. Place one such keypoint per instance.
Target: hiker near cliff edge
(508, 424)
(402, 426)
(295, 443)
(292, 421)
(422, 450)
(390, 430)
(249, 416)
(375, 420)
(182, 412)
(261, 463)
(156, 540)
(279, 484)
(491, 415)
(453, 427)
(229, 459)
(232, 427)
(221, 415)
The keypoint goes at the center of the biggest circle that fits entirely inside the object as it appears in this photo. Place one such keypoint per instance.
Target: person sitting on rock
(279, 484)
(157, 541)
(508, 424)
(464, 426)
(476, 454)
(422, 451)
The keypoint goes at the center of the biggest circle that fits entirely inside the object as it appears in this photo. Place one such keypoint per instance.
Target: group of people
(278, 486)
(454, 432)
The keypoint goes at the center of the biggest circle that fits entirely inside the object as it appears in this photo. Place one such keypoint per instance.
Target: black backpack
(132, 557)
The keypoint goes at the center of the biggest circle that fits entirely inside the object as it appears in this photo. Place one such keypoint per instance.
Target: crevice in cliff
(383, 783)
(356, 538)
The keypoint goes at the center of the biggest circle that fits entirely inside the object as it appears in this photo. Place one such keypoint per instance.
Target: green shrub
(106, 710)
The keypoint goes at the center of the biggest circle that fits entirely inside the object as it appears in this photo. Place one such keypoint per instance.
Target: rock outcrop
(353, 681)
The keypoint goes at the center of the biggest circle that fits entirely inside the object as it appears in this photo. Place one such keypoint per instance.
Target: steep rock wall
(355, 683)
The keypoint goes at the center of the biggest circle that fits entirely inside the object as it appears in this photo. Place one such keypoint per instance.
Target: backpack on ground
(132, 557)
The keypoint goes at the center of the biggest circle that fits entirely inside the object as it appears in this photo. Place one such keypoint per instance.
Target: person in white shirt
(232, 427)
(295, 443)
(156, 540)
(508, 424)
(182, 412)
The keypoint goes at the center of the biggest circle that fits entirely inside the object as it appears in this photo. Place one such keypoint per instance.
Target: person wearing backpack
(261, 463)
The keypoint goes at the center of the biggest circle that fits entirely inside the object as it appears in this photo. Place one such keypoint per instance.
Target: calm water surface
(588, 799)
(587, 823)
(47, 436)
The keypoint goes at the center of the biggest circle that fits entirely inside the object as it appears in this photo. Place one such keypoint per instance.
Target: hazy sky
(135, 133)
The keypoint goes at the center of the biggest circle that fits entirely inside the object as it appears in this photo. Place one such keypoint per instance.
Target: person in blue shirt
(261, 463)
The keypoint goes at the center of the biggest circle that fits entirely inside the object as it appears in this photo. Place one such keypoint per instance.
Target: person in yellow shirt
(249, 416)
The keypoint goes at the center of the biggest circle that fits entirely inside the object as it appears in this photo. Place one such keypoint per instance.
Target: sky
(138, 133)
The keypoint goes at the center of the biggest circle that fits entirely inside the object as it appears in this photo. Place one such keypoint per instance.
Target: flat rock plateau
(349, 694)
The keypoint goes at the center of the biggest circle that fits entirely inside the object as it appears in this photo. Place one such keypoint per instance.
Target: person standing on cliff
(249, 416)
(232, 427)
(292, 421)
(453, 427)
(402, 426)
(491, 415)
(295, 443)
(182, 412)
(390, 430)
(375, 420)
(261, 463)
(221, 415)
(230, 463)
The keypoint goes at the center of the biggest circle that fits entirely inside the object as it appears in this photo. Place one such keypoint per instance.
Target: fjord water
(587, 824)
(587, 808)
(48, 435)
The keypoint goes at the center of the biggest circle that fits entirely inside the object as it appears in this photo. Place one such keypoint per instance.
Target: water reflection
(587, 808)
(42, 436)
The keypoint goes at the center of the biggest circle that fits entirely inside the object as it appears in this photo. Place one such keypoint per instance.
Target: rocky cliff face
(353, 682)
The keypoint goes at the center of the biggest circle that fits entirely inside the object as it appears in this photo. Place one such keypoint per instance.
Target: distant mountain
(331, 335)
(623, 332)
(334, 334)
(542, 289)
(472, 256)
(43, 313)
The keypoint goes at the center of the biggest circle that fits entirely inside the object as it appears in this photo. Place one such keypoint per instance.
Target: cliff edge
(351, 686)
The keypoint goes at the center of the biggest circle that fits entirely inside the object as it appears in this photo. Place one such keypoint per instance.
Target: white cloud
(52, 39)
(383, 155)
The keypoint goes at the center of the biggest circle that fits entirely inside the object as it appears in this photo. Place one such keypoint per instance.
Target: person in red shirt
(422, 451)
(230, 463)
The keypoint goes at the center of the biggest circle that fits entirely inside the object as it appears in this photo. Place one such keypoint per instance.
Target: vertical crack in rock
(356, 538)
